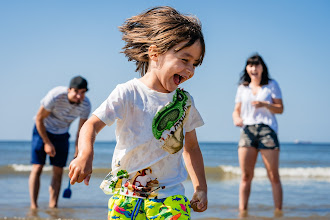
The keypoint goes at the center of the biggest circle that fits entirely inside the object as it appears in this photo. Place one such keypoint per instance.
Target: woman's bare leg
(271, 161)
(247, 159)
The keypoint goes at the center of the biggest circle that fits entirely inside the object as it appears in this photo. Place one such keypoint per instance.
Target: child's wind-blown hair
(163, 27)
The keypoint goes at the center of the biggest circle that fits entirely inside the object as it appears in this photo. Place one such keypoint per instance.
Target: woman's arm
(276, 107)
(193, 158)
(238, 121)
(81, 167)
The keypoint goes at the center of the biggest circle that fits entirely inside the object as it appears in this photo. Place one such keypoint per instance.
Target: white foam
(301, 172)
(26, 168)
(306, 172)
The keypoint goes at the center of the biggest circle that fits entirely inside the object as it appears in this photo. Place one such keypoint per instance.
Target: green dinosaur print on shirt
(170, 115)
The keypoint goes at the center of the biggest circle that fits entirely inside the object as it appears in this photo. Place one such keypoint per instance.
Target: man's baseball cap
(78, 82)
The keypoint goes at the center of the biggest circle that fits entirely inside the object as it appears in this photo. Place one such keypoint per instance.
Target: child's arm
(81, 167)
(194, 162)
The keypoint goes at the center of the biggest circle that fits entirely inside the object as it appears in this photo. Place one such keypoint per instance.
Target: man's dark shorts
(260, 136)
(61, 144)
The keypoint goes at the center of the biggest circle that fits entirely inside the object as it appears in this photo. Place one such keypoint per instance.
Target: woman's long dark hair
(255, 60)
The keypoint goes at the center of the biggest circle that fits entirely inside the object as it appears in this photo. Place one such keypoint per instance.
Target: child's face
(176, 67)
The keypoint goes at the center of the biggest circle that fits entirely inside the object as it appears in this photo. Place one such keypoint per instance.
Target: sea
(304, 171)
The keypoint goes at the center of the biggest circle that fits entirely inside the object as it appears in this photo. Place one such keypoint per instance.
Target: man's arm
(48, 146)
(195, 166)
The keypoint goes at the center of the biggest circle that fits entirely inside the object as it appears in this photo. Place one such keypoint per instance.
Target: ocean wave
(217, 173)
(22, 169)
(26, 168)
(299, 172)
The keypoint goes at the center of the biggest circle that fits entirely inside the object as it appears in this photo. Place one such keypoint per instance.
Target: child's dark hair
(163, 27)
(255, 60)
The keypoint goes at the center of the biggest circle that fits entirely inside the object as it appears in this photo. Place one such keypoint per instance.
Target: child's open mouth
(177, 79)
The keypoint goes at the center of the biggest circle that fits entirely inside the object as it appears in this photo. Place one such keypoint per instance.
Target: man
(59, 108)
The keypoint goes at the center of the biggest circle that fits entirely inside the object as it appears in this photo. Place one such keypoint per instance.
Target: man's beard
(75, 103)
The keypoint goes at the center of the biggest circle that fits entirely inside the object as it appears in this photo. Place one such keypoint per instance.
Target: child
(156, 122)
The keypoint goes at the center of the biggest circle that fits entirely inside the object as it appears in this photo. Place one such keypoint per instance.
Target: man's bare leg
(55, 186)
(34, 184)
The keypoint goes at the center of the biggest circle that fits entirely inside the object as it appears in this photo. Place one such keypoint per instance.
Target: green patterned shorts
(170, 208)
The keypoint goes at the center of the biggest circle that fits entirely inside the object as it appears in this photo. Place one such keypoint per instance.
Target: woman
(257, 101)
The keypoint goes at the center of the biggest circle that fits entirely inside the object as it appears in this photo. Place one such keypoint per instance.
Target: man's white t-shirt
(252, 115)
(62, 112)
(147, 160)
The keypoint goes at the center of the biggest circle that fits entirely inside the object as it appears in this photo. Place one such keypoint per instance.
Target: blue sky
(44, 44)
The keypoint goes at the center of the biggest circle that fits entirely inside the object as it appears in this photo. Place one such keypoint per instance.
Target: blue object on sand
(67, 192)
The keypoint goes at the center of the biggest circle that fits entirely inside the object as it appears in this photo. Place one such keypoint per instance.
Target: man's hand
(50, 149)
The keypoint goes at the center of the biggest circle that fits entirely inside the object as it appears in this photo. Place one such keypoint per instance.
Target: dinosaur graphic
(167, 125)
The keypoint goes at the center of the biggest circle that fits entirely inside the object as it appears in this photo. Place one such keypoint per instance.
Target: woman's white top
(252, 115)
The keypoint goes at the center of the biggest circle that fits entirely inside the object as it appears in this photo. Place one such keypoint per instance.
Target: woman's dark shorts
(61, 144)
(260, 136)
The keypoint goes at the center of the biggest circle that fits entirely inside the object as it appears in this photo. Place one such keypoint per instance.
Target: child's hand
(199, 201)
(80, 170)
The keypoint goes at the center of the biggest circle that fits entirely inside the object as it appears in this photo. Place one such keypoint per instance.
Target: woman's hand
(276, 107)
(259, 104)
(238, 121)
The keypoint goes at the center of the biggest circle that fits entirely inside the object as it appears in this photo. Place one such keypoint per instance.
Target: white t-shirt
(252, 115)
(147, 160)
(62, 112)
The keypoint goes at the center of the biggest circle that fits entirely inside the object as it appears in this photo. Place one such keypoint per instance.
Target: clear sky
(44, 44)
